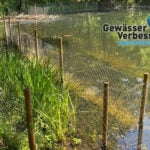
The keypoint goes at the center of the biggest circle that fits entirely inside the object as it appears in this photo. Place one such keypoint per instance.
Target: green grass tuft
(51, 103)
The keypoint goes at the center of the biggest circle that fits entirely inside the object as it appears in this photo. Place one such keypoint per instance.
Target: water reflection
(88, 38)
(129, 142)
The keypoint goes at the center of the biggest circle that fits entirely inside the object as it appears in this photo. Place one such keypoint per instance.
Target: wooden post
(105, 116)
(70, 10)
(61, 59)
(96, 6)
(10, 39)
(86, 6)
(5, 30)
(142, 110)
(43, 10)
(29, 119)
(19, 36)
(35, 7)
(36, 43)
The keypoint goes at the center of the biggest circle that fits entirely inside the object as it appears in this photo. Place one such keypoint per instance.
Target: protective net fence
(86, 75)
(12, 120)
(63, 8)
(124, 100)
(72, 8)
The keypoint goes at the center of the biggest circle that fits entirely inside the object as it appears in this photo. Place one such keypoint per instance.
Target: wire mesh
(86, 76)
(12, 120)
(124, 96)
(63, 8)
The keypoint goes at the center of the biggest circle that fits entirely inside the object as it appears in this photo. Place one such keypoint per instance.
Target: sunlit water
(83, 34)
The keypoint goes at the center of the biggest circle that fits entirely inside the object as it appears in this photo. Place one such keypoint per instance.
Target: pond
(84, 34)
(95, 51)
(129, 142)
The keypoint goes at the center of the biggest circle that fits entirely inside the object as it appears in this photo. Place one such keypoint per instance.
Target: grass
(51, 102)
(51, 105)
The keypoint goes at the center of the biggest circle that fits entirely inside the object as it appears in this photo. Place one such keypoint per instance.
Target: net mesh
(86, 75)
(12, 120)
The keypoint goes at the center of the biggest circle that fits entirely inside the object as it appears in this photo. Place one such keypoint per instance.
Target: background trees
(9, 6)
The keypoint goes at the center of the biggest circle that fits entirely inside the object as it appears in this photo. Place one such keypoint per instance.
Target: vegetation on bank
(53, 111)
(18, 6)
(51, 104)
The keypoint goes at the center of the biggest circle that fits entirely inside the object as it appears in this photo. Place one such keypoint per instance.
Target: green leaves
(52, 113)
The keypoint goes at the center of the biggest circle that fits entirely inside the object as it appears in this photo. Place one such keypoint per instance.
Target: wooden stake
(36, 43)
(43, 10)
(105, 116)
(35, 7)
(142, 110)
(10, 39)
(61, 59)
(96, 6)
(19, 36)
(5, 30)
(29, 119)
(86, 6)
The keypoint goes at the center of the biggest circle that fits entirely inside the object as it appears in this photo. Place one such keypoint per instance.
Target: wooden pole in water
(36, 44)
(29, 119)
(19, 37)
(105, 116)
(61, 65)
(142, 110)
(5, 30)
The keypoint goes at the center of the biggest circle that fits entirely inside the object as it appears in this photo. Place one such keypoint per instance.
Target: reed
(51, 103)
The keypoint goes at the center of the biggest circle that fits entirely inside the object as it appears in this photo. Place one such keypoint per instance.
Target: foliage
(9, 7)
(12, 6)
(51, 102)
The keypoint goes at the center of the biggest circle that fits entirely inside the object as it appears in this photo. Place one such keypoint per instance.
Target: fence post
(36, 43)
(29, 119)
(96, 6)
(19, 36)
(43, 10)
(35, 9)
(5, 30)
(86, 6)
(142, 110)
(105, 116)
(10, 39)
(61, 59)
